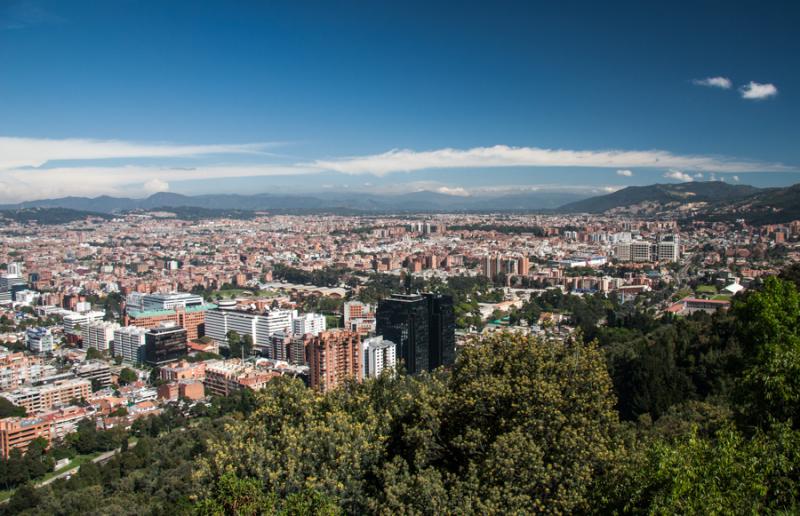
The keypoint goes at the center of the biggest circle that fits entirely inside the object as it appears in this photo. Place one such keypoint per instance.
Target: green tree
(234, 495)
(93, 354)
(127, 376)
(234, 343)
(247, 345)
(722, 474)
(519, 424)
(768, 325)
(8, 409)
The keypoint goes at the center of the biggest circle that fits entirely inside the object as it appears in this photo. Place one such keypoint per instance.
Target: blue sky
(128, 97)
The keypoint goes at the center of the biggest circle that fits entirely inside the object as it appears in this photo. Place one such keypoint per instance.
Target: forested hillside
(663, 416)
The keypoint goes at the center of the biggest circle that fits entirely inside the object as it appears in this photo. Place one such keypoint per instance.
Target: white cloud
(71, 166)
(714, 82)
(406, 160)
(33, 152)
(756, 91)
(678, 176)
(735, 179)
(611, 189)
(457, 191)
(699, 175)
(129, 180)
(156, 185)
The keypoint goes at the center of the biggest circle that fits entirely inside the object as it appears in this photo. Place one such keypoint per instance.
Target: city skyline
(130, 99)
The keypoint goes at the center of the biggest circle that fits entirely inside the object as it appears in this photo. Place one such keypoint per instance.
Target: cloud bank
(46, 168)
(32, 152)
(406, 160)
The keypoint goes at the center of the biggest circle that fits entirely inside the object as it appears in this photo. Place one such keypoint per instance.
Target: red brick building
(333, 357)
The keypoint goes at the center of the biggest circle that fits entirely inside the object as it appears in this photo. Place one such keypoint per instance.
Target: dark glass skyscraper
(422, 326)
(164, 344)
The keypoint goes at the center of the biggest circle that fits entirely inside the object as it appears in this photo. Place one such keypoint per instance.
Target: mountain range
(415, 201)
(710, 200)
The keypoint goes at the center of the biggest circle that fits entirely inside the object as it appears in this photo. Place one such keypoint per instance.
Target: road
(100, 458)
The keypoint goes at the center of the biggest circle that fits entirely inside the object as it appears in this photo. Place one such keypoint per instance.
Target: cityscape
(393, 313)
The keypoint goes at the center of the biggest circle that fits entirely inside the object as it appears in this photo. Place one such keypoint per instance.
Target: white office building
(14, 269)
(260, 326)
(98, 335)
(308, 323)
(129, 343)
(39, 340)
(275, 321)
(635, 251)
(379, 354)
(74, 322)
(144, 302)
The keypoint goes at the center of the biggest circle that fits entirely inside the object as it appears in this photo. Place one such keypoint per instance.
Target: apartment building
(379, 354)
(224, 377)
(18, 433)
(17, 369)
(129, 343)
(45, 397)
(39, 340)
(333, 357)
(98, 335)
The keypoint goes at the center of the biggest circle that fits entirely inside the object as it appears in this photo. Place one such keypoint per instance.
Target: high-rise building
(165, 344)
(333, 357)
(423, 328)
(308, 323)
(379, 354)
(359, 317)
(74, 322)
(14, 269)
(635, 251)
(98, 335)
(129, 343)
(39, 340)
(297, 349)
(279, 346)
(668, 249)
(442, 330)
(259, 325)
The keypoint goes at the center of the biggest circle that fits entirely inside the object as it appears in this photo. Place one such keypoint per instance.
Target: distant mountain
(348, 201)
(713, 200)
(662, 194)
(49, 216)
(767, 206)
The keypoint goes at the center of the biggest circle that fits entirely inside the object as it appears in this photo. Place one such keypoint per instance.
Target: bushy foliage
(518, 424)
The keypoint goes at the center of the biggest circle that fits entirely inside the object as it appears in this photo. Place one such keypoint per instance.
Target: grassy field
(706, 289)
